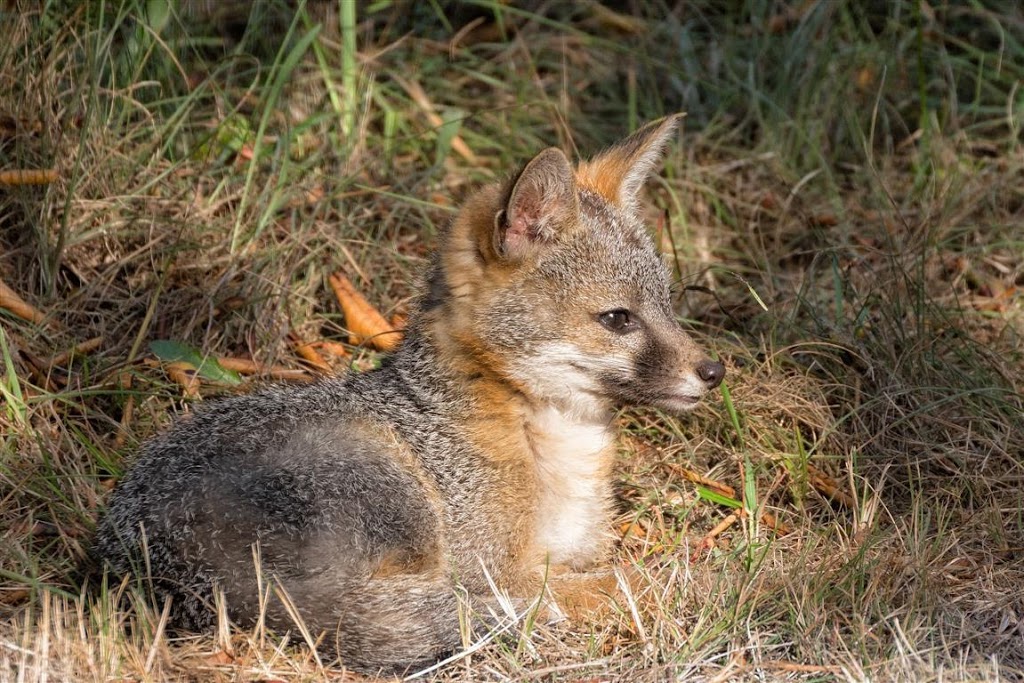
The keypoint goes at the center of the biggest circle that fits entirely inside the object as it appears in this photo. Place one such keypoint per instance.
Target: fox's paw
(581, 596)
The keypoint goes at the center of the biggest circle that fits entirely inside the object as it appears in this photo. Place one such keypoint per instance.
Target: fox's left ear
(618, 174)
(541, 204)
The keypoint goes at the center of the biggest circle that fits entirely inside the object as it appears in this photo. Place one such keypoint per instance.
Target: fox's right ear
(619, 173)
(541, 203)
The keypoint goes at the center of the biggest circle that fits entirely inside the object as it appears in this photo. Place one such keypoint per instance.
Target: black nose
(711, 372)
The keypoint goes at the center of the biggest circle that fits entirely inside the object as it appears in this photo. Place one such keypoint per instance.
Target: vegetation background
(844, 212)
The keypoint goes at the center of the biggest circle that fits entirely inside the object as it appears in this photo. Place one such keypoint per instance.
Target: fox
(477, 456)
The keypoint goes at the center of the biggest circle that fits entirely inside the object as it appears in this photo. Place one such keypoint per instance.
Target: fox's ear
(541, 203)
(618, 174)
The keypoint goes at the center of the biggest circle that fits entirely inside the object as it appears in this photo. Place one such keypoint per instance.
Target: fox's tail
(392, 625)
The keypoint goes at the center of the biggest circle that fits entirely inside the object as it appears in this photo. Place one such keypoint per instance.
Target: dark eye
(618, 320)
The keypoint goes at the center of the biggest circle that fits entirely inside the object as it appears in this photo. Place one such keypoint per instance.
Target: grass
(843, 211)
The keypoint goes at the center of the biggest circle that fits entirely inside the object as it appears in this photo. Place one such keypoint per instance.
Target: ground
(844, 213)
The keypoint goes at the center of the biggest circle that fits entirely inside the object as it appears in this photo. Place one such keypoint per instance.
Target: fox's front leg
(591, 596)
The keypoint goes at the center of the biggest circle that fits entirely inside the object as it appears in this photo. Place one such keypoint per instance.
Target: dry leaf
(333, 348)
(364, 322)
(184, 375)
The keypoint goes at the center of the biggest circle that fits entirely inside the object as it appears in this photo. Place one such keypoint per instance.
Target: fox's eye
(618, 320)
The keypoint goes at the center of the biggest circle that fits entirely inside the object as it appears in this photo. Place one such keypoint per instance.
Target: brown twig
(698, 478)
(770, 520)
(708, 541)
(124, 383)
(245, 366)
(84, 348)
(28, 176)
(419, 96)
(10, 301)
(308, 352)
(617, 22)
(827, 486)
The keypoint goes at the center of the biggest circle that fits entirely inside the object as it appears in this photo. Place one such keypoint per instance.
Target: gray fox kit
(480, 451)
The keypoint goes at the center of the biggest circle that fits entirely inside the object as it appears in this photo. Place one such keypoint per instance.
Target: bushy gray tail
(397, 624)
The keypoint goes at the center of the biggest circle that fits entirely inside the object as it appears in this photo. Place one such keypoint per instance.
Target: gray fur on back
(280, 467)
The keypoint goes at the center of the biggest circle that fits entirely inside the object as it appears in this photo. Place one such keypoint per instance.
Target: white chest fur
(573, 459)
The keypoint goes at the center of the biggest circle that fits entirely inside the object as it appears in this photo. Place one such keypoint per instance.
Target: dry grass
(845, 212)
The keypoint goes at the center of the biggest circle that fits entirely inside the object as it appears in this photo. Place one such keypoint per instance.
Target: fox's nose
(711, 373)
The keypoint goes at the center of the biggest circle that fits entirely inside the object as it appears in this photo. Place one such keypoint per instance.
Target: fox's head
(552, 282)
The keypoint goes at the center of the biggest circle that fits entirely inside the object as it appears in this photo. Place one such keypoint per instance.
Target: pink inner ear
(519, 226)
(541, 202)
(521, 230)
(525, 214)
